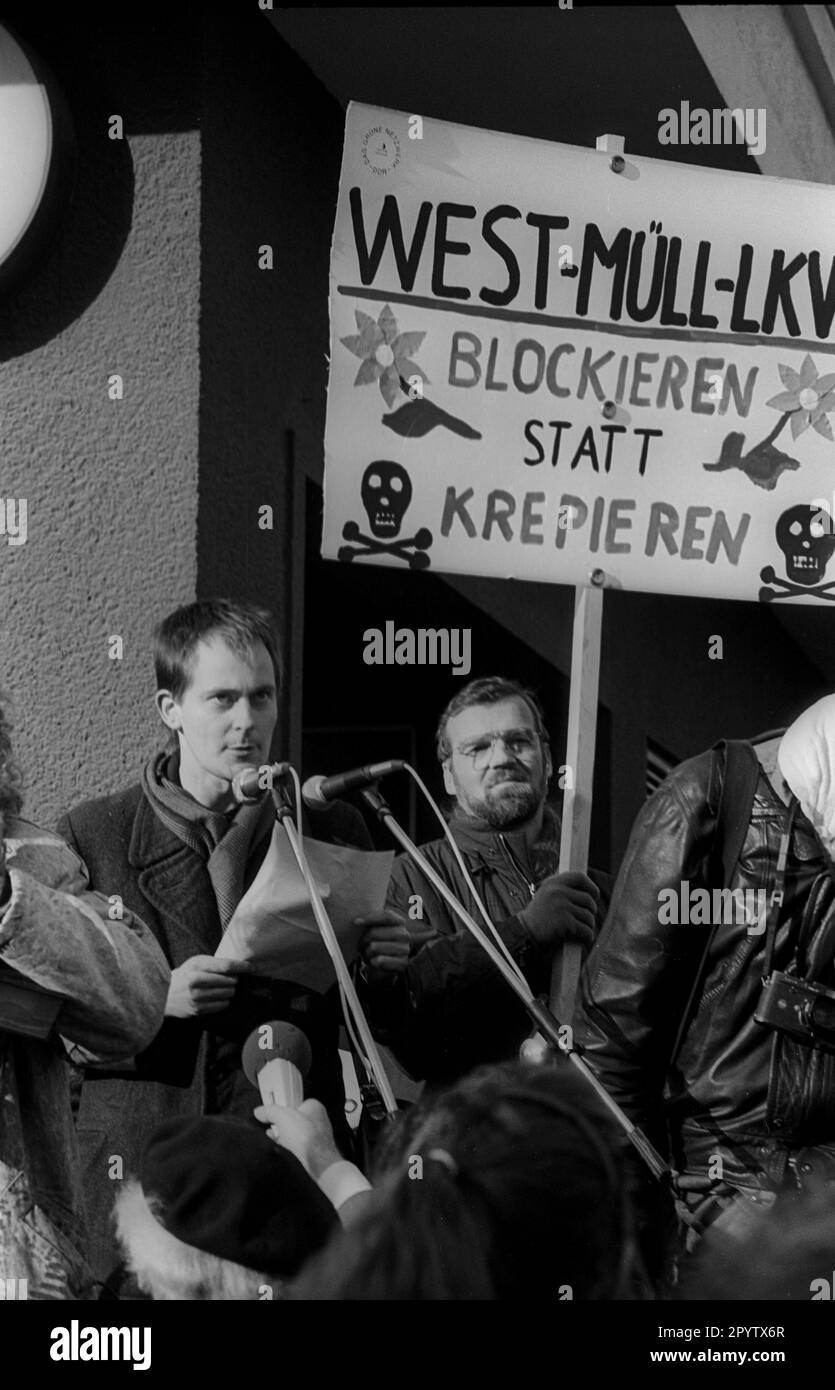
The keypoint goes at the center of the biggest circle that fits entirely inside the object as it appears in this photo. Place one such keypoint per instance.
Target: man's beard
(516, 803)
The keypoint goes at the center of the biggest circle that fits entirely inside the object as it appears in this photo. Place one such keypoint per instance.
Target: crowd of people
(135, 1162)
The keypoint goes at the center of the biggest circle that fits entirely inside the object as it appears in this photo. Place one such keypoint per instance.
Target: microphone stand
(286, 815)
(546, 1022)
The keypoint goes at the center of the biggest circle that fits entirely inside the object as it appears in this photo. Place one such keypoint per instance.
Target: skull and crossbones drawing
(806, 536)
(386, 492)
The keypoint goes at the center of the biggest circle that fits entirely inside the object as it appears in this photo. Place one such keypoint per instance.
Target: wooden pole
(582, 733)
(579, 764)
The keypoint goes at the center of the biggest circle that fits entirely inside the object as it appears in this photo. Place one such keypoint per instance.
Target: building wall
(272, 141)
(111, 485)
(140, 504)
(762, 57)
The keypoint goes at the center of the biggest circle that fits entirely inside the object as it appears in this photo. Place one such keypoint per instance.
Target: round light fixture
(35, 141)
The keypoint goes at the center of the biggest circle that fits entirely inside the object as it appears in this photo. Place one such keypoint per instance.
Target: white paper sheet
(273, 928)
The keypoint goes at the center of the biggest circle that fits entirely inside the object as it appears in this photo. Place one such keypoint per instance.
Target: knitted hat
(226, 1189)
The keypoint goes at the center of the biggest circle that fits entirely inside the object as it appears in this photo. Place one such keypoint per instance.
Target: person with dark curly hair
(510, 1185)
(72, 980)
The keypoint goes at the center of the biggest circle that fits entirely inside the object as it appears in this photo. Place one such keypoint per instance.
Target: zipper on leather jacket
(514, 864)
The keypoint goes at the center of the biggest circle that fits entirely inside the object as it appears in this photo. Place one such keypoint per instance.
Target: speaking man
(180, 852)
(435, 997)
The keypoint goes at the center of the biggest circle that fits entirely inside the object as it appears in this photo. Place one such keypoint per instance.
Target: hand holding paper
(202, 985)
(273, 928)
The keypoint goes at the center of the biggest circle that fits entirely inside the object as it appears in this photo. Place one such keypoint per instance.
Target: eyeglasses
(521, 743)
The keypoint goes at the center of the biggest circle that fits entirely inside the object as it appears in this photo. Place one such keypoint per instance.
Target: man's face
(225, 717)
(504, 785)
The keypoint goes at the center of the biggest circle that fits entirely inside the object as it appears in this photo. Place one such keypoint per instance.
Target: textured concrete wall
(140, 504)
(272, 141)
(111, 485)
(753, 56)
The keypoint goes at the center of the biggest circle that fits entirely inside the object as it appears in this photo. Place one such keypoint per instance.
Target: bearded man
(437, 1000)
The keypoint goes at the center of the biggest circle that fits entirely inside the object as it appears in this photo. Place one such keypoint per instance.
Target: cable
(346, 1012)
(514, 977)
(464, 870)
(298, 794)
(351, 1007)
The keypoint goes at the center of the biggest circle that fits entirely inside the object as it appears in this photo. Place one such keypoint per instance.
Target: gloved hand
(384, 945)
(564, 909)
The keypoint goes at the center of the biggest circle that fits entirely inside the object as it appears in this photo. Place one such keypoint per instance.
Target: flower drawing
(807, 399)
(385, 353)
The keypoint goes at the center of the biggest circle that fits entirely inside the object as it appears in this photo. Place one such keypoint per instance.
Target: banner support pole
(579, 762)
(582, 730)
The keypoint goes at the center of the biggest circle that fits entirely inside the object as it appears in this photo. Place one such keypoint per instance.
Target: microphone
(318, 791)
(245, 784)
(278, 1069)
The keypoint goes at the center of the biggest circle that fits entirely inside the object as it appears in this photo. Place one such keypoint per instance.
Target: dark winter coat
(192, 1066)
(452, 1010)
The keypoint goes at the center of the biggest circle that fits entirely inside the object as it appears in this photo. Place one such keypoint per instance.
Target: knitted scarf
(223, 841)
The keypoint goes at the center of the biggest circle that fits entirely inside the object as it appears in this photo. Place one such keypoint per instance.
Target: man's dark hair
(487, 690)
(11, 798)
(240, 625)
(466, 1206)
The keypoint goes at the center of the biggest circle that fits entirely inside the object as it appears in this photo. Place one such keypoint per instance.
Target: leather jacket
(712, 1099)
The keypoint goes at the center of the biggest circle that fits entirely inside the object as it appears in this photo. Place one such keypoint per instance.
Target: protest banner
(573, 366)
(541, 367)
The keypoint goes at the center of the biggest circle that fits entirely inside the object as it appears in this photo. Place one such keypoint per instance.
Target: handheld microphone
(246, 785)
(318, 791)
(278, 1069)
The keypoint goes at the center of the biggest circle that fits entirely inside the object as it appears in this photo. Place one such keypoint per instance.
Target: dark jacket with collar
(714, 1102)
(452, 1010)
(192, 1066)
